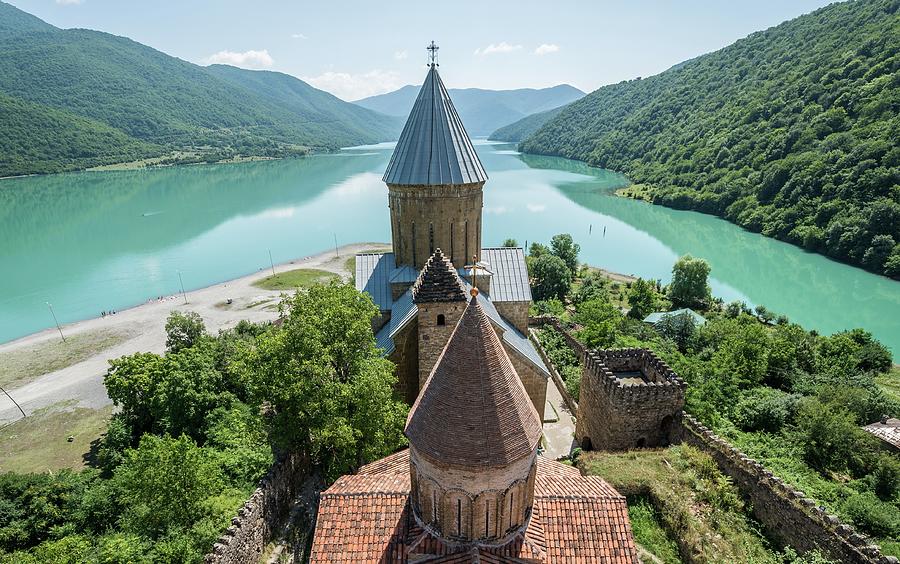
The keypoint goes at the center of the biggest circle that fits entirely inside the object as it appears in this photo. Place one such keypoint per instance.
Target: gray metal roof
(373, 274)
(434, 147)
(509, 282)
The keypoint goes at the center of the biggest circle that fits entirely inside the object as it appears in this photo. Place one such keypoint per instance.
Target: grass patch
(293, 279)
(636, 192)
(39, 442)
(890, 383)
(648, 530)
(24, 364)
(694, 503)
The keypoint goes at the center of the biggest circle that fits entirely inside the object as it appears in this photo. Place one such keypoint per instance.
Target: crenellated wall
(262, 514)
(613, 415)
(788, 515)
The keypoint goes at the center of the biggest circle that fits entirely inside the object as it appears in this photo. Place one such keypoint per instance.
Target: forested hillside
(155, 99)
(482, 111)
(521, 129)
(791, 132)
(38, 139)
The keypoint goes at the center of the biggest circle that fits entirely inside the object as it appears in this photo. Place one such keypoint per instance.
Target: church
(472, 486)
(435, 189)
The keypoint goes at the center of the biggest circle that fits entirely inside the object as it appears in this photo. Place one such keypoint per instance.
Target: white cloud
(69, 2)
(248, 59)
(400, 55)
(546, 48)
(349, 86)
(502, 47)
(298, 36)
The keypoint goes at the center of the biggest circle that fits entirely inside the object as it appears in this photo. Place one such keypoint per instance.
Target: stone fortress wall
(788, 515)
(616, 415)
(261, 516)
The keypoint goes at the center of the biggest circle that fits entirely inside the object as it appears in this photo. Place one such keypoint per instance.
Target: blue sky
(356, 49)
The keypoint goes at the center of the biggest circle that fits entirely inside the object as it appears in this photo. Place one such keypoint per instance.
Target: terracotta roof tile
(473, 409)
(438, 282)
(575, 519)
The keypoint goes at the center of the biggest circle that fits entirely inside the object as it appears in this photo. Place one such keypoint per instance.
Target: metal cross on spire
(432, 54)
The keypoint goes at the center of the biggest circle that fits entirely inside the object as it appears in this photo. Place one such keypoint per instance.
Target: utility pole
(14, 401)
(271, 262)
(335, 246)
(182, 288)
(58, 328)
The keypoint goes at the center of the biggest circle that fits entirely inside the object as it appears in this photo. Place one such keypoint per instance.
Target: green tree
(329, 391)
(678, 328)
(165, 482)
(510, 243)
(567, 249)
(550, 277)
(600, 322)
(828, 434)
(183, 330)
(641, 299)
(593, 286)
(689, 287)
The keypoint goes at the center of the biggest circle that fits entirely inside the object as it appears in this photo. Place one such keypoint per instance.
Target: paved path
(83, 382)
(560, 435)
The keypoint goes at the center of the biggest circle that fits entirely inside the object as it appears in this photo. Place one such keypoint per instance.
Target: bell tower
(435, 181)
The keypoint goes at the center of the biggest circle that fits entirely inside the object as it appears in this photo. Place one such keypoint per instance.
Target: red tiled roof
(366, 518)
(473, 409)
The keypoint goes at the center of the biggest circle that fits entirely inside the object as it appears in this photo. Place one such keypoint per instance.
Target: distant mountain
(791, 132)
(517, 131)
(482, 111)
(160, 101)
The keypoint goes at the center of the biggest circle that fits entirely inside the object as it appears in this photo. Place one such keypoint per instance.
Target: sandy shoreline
(82, 383)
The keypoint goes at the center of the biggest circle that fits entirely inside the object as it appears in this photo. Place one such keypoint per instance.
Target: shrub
(183, 330)
(827, 433)
(872, 515)
(764, 409)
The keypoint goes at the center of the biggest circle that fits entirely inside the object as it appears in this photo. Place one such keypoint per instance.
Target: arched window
(459, 517)
(430, 239)
(441, 320)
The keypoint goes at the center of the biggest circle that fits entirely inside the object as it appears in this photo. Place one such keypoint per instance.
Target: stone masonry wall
(516, 313)
(554, 373)
(535, 383)
(261, 515)
(433, 337)
(424, 218)
(617, 416)
(788, 515)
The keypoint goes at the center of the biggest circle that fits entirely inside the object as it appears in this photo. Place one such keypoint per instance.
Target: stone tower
(439, 295)
(473, 437)
(435, 182)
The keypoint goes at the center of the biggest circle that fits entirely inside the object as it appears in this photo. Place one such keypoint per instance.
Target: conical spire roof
(473, 409)
(434, 147)
(438, 282)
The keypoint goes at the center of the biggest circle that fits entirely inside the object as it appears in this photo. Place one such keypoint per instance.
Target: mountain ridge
(159, 100)
(482, 110)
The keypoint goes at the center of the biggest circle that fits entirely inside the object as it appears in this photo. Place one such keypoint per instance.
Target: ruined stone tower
(435, 182)
(473, 437)
(441, 299)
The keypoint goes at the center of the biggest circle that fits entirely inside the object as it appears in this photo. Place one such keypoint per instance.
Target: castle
(472, 486)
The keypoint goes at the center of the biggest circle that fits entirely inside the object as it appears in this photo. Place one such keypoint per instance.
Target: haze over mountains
(77, 98)
(482, 111)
